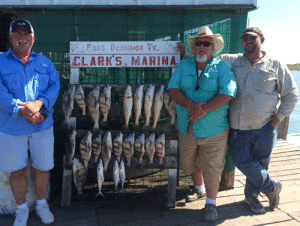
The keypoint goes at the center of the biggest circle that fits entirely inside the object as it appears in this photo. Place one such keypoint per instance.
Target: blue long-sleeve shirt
(19, 82)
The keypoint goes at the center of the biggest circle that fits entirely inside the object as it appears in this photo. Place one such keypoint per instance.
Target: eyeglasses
(245, 39)
(205, 44)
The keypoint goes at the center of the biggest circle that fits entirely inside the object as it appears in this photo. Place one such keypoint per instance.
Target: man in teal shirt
(202, 86)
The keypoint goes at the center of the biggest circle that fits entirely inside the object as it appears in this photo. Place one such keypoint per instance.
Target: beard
(249, 49)
(201, 58)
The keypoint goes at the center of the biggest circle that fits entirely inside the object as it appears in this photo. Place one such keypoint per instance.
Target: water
(294, 125)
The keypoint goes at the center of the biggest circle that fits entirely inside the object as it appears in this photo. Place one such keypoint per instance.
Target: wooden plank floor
(145, 206)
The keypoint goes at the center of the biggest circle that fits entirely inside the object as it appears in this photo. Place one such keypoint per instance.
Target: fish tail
(99, 193)
(136, 126)
(103, 123)
(96, 130)
(125, 127)
(146, 127)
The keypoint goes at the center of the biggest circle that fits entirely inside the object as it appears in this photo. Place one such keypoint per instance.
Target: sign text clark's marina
(124, 54)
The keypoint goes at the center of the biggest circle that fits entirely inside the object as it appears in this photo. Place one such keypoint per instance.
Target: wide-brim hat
(206, 32)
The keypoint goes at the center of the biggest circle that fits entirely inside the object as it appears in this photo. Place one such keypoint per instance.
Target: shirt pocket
(42, 78)
(12, 81)
(266, 81)
(186, 82)
(210, 83)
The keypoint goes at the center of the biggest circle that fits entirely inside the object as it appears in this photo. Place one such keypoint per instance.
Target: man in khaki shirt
(266, 94)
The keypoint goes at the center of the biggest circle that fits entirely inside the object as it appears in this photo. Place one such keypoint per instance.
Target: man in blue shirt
(202, 86)
(29, 86)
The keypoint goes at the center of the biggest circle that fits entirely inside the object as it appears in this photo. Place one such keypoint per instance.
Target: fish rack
(116, 111)
(78, 51)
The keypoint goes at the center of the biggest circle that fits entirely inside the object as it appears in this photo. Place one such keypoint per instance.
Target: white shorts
(14, 151)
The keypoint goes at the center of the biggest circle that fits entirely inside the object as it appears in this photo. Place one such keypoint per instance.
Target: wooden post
(172, 177)
(66, 193)
(227, 178)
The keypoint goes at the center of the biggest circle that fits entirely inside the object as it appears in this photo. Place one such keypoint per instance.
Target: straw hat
(206, 32)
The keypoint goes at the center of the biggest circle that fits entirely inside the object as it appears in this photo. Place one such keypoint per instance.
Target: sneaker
(42, 211)
(274, 195)
(210, 213)
(194, 195)
(21, 216)
(255, 204)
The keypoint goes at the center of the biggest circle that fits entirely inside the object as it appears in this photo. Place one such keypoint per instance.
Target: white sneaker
(42, 211)
(21, 216)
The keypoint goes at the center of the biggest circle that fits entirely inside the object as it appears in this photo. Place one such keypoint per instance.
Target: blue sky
(279, 20)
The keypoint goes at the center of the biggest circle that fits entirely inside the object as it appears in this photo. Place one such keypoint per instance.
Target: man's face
(22, 40)
(252, 44)
(201, 49)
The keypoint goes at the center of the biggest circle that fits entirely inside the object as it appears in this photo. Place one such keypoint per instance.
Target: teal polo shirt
(217, 78)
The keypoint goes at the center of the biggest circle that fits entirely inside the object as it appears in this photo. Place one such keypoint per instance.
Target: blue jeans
(251, 153)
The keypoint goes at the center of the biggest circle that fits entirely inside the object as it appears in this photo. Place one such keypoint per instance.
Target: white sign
(124, 54)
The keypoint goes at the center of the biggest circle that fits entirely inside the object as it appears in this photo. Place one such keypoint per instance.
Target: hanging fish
(160, 148)
(70, 147)
(150, 147)
(85, 148)
(80, 100)
(105, 103)
(117, 146)
(127, 106)
(157, 105)
(96, 148)
(116, 174)
(128, 148)
(170, 105)
(100, 177)
(122, 173)
(106, 150)
(68, 104)
(139, 148)
(93, 106)
(148, 105)
(79, 175)
(137, 105)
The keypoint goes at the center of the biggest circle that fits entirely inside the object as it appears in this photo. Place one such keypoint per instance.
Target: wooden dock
(143, 205)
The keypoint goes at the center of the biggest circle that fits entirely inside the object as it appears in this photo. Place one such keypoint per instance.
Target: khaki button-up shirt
(267, 88)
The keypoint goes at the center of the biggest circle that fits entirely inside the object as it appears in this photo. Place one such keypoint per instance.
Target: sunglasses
(205, 44)
(245, 39)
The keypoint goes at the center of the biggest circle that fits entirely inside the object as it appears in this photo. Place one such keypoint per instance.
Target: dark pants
(251, 153)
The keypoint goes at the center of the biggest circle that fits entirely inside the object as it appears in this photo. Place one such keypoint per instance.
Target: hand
(196, 112)
(36, 118)
(275, 121)
(30, 108)
(181, 48)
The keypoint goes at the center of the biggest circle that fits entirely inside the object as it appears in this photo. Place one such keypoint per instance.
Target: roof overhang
(238, 6)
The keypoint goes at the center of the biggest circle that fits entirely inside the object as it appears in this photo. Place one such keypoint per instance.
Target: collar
(32, 57)
(261, 60)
